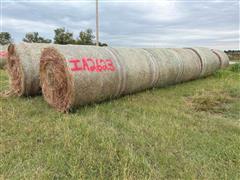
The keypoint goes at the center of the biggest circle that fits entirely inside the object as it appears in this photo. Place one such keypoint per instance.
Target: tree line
(61, 37)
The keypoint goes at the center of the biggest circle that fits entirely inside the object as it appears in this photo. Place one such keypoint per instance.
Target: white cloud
(161, 10)
(151, 10)
(141, 23)
(27, 25)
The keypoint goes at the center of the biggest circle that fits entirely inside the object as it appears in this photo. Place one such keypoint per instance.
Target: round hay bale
(78, 75)
(176, 65)
(165, 67)
(3, 56)
(23, 68)
(98, 73)
(223, 58)
(209, 61)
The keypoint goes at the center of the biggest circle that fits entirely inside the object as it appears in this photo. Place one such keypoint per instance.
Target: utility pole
(97, 25)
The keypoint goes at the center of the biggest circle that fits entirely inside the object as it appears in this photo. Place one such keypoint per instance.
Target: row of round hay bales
(72, 75)
(79, 75)
(3, 56)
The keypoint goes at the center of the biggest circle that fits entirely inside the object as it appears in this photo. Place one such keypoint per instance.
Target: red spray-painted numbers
(3, 54)
(92, 65)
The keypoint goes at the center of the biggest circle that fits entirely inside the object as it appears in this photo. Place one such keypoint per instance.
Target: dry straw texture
(78, 75)
(23, 68)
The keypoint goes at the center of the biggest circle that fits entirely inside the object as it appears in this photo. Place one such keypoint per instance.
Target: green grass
(187, 131)
(235, 67)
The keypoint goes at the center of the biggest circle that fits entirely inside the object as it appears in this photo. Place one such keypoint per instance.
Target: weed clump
(235, 68)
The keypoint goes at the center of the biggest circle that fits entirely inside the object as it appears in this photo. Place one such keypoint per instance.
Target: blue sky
(132, 23)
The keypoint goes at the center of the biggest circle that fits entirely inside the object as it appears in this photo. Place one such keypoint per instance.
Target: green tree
(33, 37)
(103, 44)
(5, 38)
(86, 37)
(63, 37)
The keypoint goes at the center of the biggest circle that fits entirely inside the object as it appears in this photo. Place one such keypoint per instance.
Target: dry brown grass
(212, 101)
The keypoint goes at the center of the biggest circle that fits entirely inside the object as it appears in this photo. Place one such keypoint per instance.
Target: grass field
(190, 131)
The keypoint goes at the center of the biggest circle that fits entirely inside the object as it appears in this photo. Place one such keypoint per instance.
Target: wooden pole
(97, 24)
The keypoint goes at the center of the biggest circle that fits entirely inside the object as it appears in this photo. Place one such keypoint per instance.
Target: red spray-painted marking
(3, 54)
(75, 65)
(92, 65)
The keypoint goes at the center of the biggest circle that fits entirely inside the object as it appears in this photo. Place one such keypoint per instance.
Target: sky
(130, 23)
